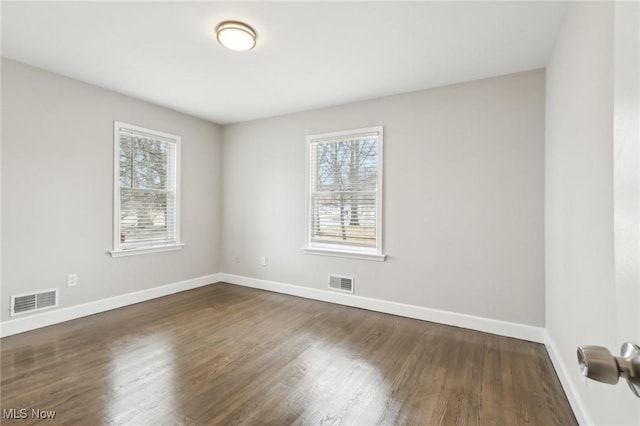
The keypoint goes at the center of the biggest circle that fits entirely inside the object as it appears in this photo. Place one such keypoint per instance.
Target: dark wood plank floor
(224, 354)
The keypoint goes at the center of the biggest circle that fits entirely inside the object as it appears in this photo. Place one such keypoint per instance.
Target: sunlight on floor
(142, 380)
(338, 378)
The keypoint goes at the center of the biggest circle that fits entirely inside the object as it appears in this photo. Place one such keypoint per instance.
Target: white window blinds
(344, 190)
(147, 188)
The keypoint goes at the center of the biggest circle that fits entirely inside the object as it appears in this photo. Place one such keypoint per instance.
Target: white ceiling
(309, 55)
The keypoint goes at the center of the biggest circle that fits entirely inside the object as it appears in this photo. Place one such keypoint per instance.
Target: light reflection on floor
(141, 378)
(337, 378)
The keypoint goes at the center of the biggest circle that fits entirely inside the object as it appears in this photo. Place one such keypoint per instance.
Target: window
(344, 199)
(146, 196)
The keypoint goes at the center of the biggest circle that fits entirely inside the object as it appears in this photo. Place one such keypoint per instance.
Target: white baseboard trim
(32, 322)
(487, 325)
(577, 405)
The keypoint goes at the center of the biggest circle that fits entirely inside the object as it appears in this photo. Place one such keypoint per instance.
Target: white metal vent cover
(337, 282)
(35, 301)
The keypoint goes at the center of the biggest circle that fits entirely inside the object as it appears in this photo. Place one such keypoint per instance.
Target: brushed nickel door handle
(597, 363)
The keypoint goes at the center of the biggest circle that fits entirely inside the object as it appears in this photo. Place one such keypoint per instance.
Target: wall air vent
(341, 283)
(35, 301)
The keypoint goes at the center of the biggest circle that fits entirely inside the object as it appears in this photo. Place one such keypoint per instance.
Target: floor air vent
(35, 301)
(341, 283)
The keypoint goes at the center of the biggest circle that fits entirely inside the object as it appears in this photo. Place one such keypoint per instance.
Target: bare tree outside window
(344, 175)
(147, 179)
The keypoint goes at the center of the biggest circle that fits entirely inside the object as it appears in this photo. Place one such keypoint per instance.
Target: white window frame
(118, 251)
(340, 250)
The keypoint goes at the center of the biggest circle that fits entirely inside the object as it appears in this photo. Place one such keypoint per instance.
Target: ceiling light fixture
(235, 35)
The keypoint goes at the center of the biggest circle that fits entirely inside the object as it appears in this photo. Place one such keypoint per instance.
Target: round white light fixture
(235, 35)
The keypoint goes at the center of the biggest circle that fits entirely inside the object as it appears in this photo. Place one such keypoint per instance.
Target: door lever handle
(597, 363)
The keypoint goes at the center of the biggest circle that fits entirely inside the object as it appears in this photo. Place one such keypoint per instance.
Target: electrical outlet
(237, 259)
(72, 280)
(263, 261)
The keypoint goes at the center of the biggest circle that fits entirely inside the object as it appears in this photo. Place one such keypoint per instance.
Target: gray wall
(57, 183)
(463, 215)
(581, 291)
(463, 218)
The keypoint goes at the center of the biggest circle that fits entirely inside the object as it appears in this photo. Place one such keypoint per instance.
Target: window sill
(146, 250)
(344, 253)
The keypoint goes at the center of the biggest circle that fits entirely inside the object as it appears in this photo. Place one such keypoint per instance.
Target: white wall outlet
(237, 259)
(72, 280)
(263, 261)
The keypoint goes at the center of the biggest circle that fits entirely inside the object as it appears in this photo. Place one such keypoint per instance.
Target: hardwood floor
(224, 354)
